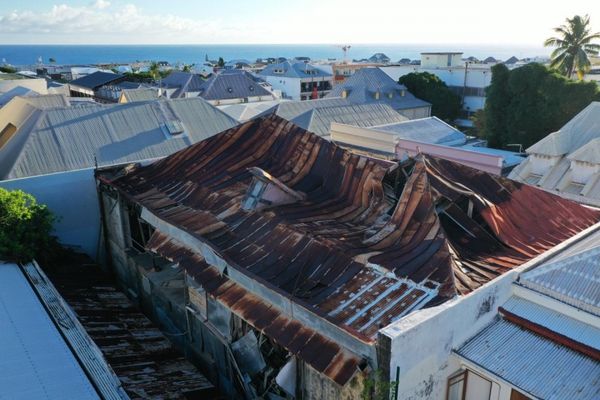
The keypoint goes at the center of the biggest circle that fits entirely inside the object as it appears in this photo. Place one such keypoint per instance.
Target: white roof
(35, 362)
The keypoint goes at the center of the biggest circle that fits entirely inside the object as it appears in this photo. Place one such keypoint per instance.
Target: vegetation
(525, 104)
(52, 60)
(145, 77)
(377, 388)
(221, 62)
(573, 46)
(25, 226)
(445, 104)
(8, 70)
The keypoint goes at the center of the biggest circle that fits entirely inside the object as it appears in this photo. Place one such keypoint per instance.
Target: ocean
(193, 54)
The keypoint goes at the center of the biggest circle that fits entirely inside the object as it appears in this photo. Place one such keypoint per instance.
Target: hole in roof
(230, 89)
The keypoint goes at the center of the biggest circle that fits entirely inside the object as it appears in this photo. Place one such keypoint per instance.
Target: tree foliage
(526, 104)
(573, 46)
(221, 62)
(7, 69)
(445, 104)
(25, 226)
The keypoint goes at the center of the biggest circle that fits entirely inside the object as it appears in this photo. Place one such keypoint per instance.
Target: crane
(345, 48)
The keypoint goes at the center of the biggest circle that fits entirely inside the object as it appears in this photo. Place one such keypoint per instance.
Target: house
(372, 86)
(467, 79)
(397, 141)
(245, 111)
(11, 81)
(344, 70)
(90, 85)
(552, 317)
(567, 162)
(46, 354)
(379, 58)
(139, 94)
(298, 80)
(511, 61)
(302, 261)
(235, 86)
(111, 93)
(51, 150)
(178, 85)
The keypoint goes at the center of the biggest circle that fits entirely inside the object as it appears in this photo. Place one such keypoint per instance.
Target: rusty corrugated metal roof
(321, 353)
(372, 240)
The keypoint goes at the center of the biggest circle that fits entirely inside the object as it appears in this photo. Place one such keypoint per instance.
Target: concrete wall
(72, 197)
(37, 84)
(421, 344)
(290, 87)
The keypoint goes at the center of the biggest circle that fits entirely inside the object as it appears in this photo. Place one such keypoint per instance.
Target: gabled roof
(141, 94)
(294, 70)
(16, 91)
(579, 131)
(364, 225)
(366, 84)
(292, 109)
(183, 81)
(512, 60)
(428, 130)
(318, 120)
(232, 84)
(96, 79)
(76, 137)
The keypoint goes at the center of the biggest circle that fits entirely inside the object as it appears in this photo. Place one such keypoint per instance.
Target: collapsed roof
(361, 234)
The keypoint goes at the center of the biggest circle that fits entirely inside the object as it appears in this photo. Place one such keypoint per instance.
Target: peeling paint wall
(422, 343)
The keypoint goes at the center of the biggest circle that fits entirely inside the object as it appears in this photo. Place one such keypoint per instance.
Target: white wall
(72, 197)
(421, 343)
(290, 87)
(37, 84)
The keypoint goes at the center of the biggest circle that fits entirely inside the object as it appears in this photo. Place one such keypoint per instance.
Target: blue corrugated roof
(295, 70)
(95, 80)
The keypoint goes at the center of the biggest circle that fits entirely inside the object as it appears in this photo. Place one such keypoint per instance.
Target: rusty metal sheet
(443, 229)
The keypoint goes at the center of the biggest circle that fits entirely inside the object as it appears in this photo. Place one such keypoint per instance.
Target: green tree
(25, 226)
(526, 104)
(52, 60)
(154, 71)
(445, 104)
(573, 46)
(221, 62)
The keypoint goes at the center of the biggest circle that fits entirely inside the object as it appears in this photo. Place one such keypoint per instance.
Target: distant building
(235, 86)
(298, 80)
(139, 94)
(179, 85)
(466, 79)
(11, 81)
(373, 86)
(343, 71)
(50, 149)
(379, 58)
(567, 162)
(90, 85)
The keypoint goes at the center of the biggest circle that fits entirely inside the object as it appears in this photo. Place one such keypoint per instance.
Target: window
(139, 231)
(468, 385)
(456, 386)
(7, 133)
(533, 179)
(514, 395)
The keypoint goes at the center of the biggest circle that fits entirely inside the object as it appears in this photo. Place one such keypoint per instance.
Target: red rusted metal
(357, 212)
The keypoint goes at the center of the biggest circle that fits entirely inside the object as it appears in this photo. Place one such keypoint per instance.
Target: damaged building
(289, 264)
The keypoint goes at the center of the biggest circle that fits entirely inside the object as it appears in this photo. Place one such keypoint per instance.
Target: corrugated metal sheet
(321, 353)
(535, 365)
(234, 84)
(362, 86)
(96, 79)
(141, 94)
(359, 213)
(70, 138)
(574, 280)
(184, 82)
(35, 362)
(428, 130)
(294, 70)
(318, 120)
(291, 109)
(554, 321)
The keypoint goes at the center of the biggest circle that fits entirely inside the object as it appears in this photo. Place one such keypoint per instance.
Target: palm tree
(574, 46)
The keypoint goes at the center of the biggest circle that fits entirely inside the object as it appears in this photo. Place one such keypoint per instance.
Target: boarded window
(6, 133)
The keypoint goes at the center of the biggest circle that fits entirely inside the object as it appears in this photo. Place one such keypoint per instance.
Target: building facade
(298, 80)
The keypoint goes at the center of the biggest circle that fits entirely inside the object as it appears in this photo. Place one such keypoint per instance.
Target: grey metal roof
(554, 321)
(291, 109)
(184, 82)
(538, 366)
(141, 94)
(16, 91)
(428, 130)
(318, 120)
(295, 70)
(362, 88)
(574, 280)
(70, 138)
(36, 363)
(96, 79)
(232, 84)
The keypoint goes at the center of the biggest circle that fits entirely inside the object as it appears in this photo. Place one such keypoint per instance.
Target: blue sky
(526, 22)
